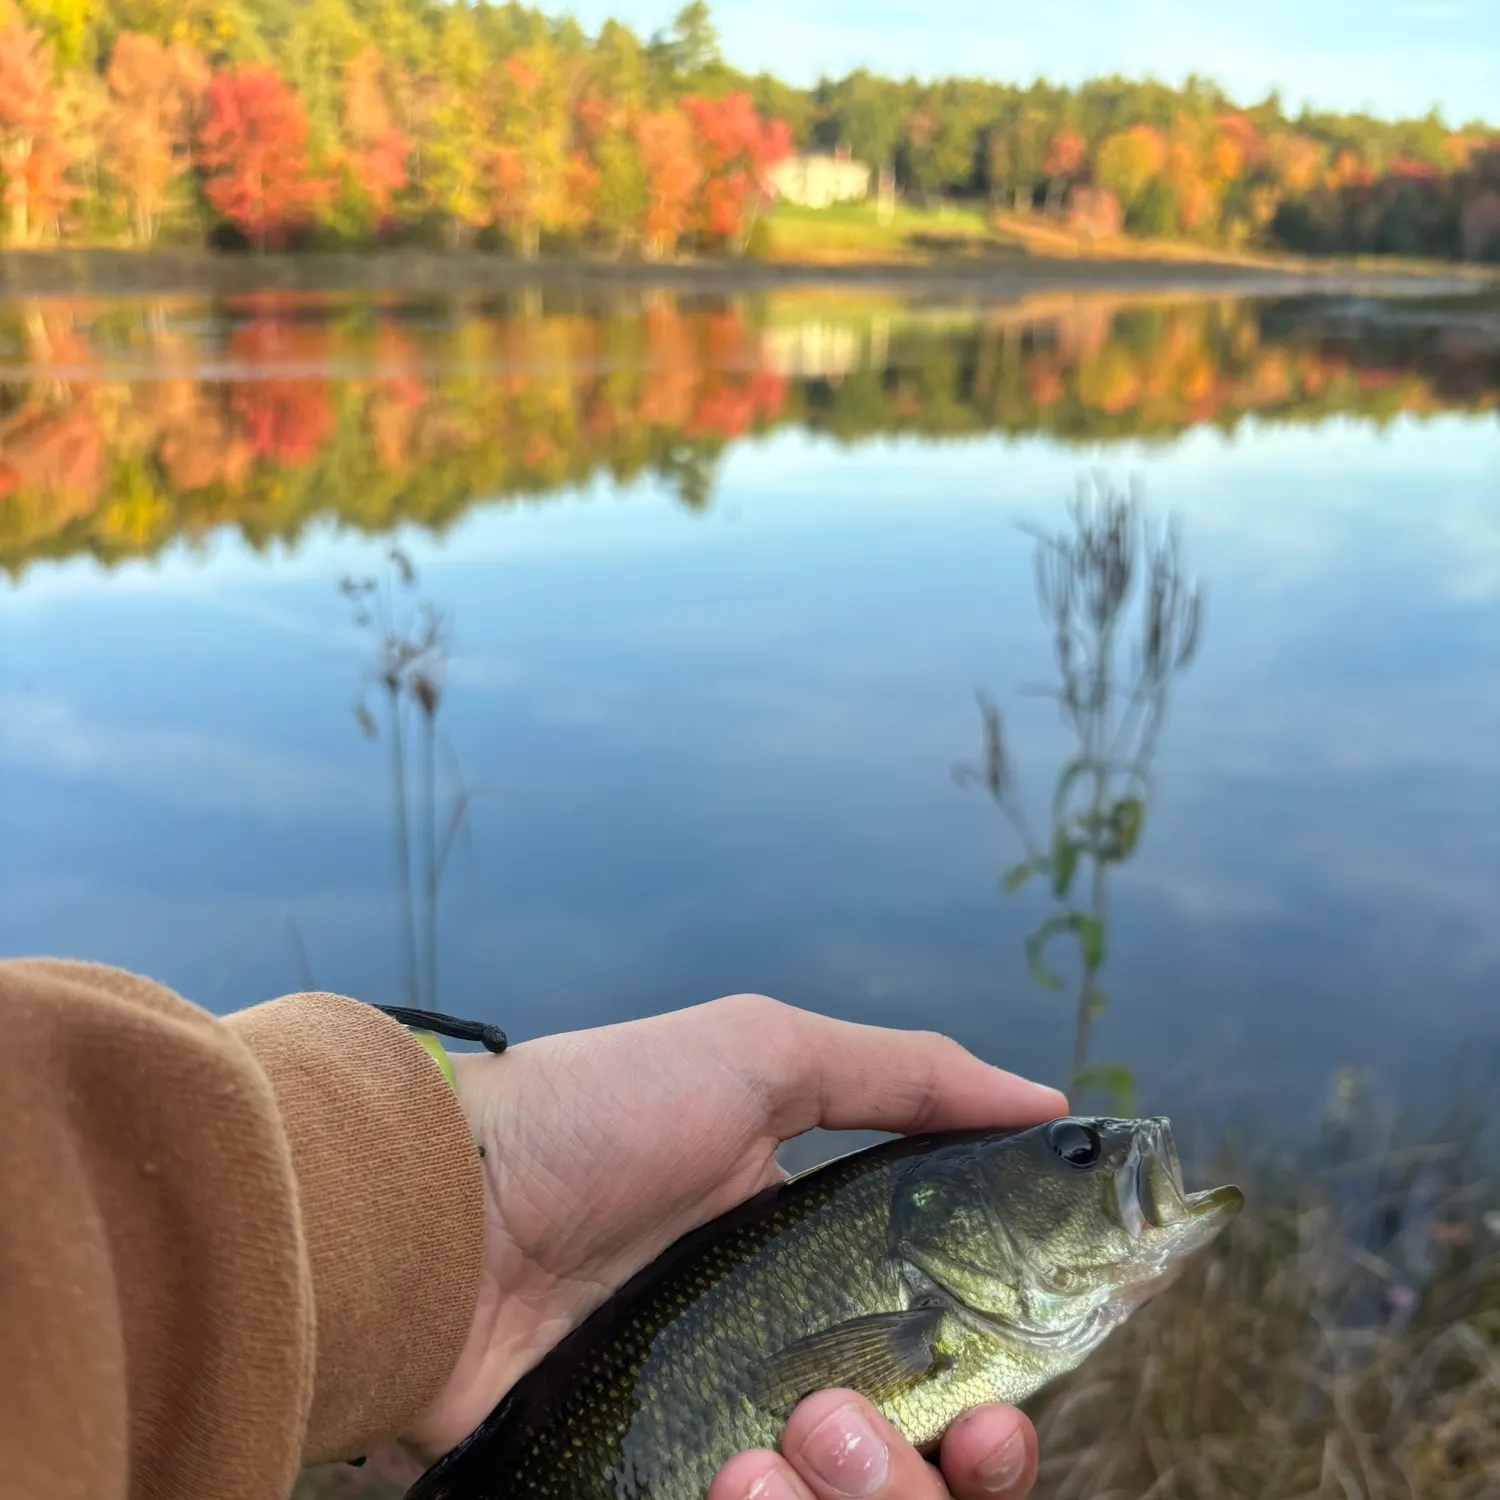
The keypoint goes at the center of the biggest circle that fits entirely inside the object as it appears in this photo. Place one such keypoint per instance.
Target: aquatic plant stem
(403, 844)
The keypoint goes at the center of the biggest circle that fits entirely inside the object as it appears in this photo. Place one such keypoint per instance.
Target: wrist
(490, 1360)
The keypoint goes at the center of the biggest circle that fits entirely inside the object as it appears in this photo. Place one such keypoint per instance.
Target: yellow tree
(154, 95)
(1192, 173)
(619, 177)
(82, 117)
(70, 27)
(451, 123)
(1227, 157)
(1127, 162)
(535, 179)
(1296, 162)
(373, 152)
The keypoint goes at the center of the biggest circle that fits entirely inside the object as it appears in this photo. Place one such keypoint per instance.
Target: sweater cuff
(392, 1205)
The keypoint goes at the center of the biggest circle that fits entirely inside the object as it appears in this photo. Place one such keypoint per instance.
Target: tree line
(349, 122)
(546, 402)
(360, 121)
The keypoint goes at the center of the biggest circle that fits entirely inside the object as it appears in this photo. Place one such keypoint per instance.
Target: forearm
(227, 1247)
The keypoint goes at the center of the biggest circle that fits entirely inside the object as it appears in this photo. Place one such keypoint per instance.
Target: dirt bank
(112, 273)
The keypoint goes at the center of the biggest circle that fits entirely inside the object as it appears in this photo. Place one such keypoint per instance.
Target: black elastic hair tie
(493, 1039)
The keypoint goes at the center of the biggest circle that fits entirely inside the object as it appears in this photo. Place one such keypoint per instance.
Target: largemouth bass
(930, 1273)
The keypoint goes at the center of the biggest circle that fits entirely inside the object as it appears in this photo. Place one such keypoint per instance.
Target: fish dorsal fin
(875, 1355)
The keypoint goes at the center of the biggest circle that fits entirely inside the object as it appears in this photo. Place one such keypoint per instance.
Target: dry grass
(1048, 239)
(1294, 1362)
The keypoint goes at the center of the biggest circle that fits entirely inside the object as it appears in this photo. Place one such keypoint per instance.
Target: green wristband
(434, 1048)
(424, 1024)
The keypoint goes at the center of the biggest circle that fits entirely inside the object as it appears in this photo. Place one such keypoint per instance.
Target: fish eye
(1077, 1144)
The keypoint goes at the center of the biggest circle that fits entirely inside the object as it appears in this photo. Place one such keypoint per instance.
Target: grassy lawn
(849, 233)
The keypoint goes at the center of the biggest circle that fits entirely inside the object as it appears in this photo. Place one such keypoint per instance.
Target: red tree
(287, 418)
(253, 145)
(737, 149)
(1066, 152)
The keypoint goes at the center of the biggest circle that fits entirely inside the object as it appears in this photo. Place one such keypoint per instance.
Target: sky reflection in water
(712, 750)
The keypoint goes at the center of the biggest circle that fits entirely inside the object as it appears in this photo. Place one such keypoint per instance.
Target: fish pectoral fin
(876, 1355)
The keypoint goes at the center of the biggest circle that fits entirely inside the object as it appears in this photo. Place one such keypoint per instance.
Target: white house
(817, 179)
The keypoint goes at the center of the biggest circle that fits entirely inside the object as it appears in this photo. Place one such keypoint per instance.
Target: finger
(990, 1453)
(758, 1474)
(844, 1076)
(841, 1448)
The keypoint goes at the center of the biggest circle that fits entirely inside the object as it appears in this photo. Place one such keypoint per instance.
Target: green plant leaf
(1036, 947)
(1128, 817)
(1064, 862)
(1091, 940)
(1017, 876)
(1112, 1079)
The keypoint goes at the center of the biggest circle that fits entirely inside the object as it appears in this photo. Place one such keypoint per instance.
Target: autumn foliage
(155, 94)
(673, 173)
(34, 154)
(347, 122)
(539, 182)
(737, 150)
(88, 464)
(374, 151)
(253, 148)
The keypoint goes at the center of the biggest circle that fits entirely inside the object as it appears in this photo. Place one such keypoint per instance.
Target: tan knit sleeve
(227, 1247)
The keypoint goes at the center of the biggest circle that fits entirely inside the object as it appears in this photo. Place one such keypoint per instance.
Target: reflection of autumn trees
(303, 412)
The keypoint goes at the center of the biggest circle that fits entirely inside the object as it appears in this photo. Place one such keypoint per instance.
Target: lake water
(724, 587)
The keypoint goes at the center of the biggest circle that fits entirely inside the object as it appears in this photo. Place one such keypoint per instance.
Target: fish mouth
(1149, 1192)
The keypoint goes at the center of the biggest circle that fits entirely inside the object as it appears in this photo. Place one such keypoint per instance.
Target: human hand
(603, 1146)
(837, 1446)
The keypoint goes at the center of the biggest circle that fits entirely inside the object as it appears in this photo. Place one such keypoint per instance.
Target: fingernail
(1004, 1467)
(772, 1485)
(847, 1454)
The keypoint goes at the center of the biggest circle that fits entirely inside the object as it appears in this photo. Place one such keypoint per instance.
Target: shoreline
(103, 273)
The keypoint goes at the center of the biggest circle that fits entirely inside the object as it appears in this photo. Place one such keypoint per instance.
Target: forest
(273, 124)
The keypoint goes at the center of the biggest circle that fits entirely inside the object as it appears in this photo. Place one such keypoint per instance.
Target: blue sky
(1389, 56)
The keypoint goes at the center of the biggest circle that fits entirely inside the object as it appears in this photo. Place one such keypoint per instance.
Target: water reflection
(125, 426)
(1107, 565)
(735, 728)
